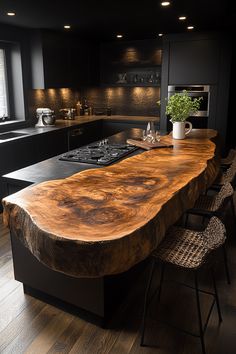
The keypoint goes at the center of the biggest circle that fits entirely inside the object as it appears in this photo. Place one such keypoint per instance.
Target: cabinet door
(85, 134)
(51, 144)
(194, 62)
(27, 151)
(62, 61)
(56, 67)
(17, 154)
(56, 60)
(13, 156)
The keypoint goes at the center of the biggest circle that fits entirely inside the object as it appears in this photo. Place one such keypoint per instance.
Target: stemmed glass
(150, 134)
(158, 136)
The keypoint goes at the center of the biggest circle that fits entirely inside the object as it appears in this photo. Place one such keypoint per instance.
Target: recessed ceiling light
(190, 27)
(119, 36)
(160, 34)
(67, 26)
(165, 3)
(182, 18)
(10, 13)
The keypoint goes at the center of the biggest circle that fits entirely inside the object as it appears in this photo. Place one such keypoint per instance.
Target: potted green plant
(179, 107)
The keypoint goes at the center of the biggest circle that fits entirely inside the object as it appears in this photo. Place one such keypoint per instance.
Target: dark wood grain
(104, 221)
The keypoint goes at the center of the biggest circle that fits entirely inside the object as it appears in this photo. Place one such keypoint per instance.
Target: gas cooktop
(99, 153)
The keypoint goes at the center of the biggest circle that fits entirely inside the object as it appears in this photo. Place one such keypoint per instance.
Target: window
(3, 87)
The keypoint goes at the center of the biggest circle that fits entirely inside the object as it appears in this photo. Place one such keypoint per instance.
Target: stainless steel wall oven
(194, 91)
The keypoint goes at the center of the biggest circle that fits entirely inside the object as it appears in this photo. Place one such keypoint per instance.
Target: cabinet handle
(77, 132)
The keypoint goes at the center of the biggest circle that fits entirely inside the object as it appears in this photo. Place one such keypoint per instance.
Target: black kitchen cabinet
(84, 134)
(14, 155)
(17, 153)
(26, 151)
(50, 144)
(56, 60)
(59, 60)
(131, 64)
(194, 62)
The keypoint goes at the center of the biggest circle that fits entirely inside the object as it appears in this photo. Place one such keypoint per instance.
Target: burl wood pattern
(104, 221)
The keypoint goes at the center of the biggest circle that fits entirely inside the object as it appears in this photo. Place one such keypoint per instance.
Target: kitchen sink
(11, 135)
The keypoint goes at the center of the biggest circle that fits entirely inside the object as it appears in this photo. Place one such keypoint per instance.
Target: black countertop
(69, 124)
(54, 168)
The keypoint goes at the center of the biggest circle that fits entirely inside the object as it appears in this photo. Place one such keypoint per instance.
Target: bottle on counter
(108, 111)
(90, 110)
(79, 109)
(86, 108)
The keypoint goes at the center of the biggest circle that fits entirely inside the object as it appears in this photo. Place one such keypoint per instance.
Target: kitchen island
(77, 233)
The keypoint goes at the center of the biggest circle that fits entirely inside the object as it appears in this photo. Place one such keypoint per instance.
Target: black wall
(231, 127)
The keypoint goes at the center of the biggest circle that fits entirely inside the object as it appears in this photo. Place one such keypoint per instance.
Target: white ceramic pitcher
(179, 129)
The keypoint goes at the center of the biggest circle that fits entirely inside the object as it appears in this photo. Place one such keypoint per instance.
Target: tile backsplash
(122, 100)
(52, 98)
(140, 101)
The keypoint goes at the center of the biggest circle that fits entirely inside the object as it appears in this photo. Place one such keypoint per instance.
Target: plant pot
(179, 129)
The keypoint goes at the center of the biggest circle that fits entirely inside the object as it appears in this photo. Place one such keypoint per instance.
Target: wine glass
(151, 136)
(144, 137)
(157, 136)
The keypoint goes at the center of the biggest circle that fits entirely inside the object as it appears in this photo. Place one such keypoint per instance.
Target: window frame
(15, 86)
(6, 69)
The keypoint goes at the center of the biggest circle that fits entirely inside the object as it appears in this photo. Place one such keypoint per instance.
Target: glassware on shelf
(135, 79)
(151, 79)
(122, 78)
(157, 78)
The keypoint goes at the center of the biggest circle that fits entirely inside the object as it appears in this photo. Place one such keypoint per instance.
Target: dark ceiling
(103, 19)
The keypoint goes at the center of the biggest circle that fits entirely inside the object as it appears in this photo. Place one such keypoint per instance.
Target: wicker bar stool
(227, 161)
(229, 176)
(215, 205)
(189, 250)
(209, 205)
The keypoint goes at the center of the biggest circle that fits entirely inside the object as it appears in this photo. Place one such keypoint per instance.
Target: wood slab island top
(103, 221)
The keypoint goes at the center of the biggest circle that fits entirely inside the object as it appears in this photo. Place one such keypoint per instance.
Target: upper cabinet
(136, 63)
(194, 61)
(61, 60)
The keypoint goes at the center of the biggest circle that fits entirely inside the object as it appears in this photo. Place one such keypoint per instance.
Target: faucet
(68, 113)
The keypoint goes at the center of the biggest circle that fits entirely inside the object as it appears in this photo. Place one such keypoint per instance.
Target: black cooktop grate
(99, 153)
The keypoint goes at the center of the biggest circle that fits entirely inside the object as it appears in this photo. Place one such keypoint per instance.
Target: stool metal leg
(199, 313)
(146, 301)
(161, 281)
(186, 220)
(232, 206)
(226, 264)
(216, 295)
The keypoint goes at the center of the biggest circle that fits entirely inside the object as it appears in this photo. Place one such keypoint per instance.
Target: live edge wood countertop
(104, 221)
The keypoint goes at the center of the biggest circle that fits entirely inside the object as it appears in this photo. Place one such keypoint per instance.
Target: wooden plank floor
(28, 325)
